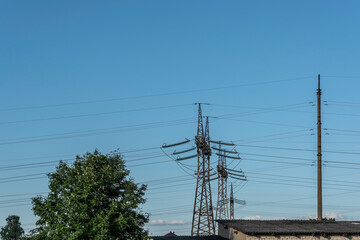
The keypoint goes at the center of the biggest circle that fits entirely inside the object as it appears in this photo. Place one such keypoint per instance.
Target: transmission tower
(232, 203)
(222, 206)
(203, 218)
(223, 173)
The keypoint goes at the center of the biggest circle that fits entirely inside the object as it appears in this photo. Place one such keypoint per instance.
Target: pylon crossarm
(233, 170)
(185, 158)
(184, 151)
(235, 174)
(175, 144)
(241, 202)
(240, 179)
(222, 143)
(224, 150)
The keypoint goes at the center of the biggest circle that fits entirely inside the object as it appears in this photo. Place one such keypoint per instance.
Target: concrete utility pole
(319, 154)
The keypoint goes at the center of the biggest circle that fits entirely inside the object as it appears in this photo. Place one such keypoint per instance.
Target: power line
(50, 163)
(271, 135)
(341, 102)
(342, 114)
(275, 156)
(16, 205)
(312, 180)
(69, 155)
(271, 161)
(93, 132)
(281, 176)
(92, 114)
(295, 158)
(294, 149)
(285, 137)
(271, 147)
(341, 76)
(342, 130)
(100, 131)
(152, 95)
(265, 110)
(164, 179)
(21, 194)
(267, 123)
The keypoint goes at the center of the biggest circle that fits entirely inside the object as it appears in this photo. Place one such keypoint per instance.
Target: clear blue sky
(60, 61)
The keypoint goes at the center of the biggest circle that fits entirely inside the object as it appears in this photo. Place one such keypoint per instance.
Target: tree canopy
(13, 229)
(94, 198)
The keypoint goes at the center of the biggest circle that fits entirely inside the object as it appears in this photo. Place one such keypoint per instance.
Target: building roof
(292, 227)
(170, 234)
(188, 238)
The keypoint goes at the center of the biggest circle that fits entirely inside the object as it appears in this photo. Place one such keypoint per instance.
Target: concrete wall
(233, 234)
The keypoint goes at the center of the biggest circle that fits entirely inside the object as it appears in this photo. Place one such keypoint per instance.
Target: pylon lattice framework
(203, 218)
(222, 201)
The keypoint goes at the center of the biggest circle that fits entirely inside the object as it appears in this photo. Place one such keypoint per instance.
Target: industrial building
(279, 230)
(288, 230)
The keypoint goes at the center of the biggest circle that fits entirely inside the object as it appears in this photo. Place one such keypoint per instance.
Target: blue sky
(75, 76)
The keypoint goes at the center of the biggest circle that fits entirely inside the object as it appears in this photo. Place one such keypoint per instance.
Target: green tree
(13, 229)
(94, 198)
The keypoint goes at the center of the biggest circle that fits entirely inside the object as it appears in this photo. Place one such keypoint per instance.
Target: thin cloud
(167, 222)
(336, 215)
(252, 218)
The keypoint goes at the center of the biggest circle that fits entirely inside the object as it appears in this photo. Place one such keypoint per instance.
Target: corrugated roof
(188, 238)
(286, 227)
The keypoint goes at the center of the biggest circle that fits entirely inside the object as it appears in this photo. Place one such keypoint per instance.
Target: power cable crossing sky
(79, 76)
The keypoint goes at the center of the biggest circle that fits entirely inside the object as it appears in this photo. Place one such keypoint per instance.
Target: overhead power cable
(343, 130)
(308, 179)
(92, 114)
(341, 102)
(276, 138)
(51, 163)
(287, 107)
(271, 135)
(93, 132)
(271, 147)
(99, 131)
(350, 77)
(154, 95)
(271, 161)
(16, 205)
(22, 194)
(181, 179)
(275, 156)
(295, 149)
(266, 123)
(70, 155)
(295, 158)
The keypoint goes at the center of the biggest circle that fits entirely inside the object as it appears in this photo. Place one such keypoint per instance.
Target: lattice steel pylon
(203, 218)
(222, 211)
(232, 215)
(223, 173)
